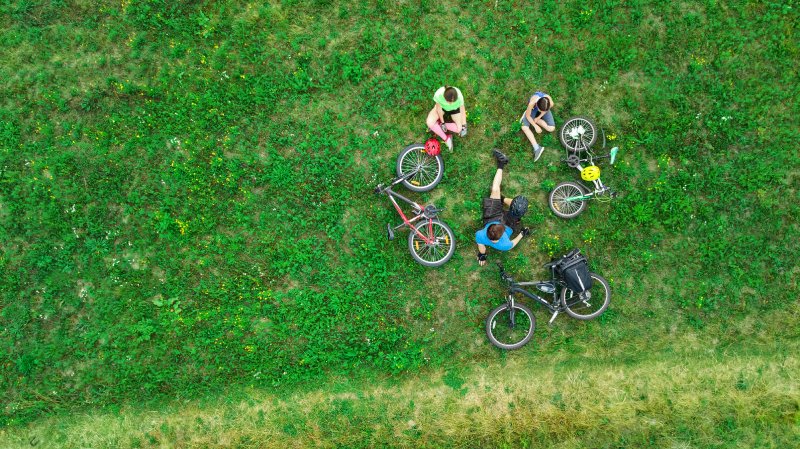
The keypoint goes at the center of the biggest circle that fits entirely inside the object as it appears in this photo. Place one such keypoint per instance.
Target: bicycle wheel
(589, 304)
(429, 168)
(510, 332)
(578, 134)
(439, 250)
(561, 202)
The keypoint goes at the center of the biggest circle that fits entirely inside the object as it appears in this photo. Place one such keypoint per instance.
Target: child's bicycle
(573, 288)
(431, 242)
(425, 159)
(568, 199)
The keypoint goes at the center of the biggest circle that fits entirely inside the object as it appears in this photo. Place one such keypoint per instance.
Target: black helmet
(519, 206)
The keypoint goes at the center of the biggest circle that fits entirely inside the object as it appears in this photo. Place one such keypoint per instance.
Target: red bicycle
(431, 242)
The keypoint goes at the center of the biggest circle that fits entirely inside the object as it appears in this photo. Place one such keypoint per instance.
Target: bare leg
(460, 119)
(433, 123)
(529, 135)
(545, 126)
(498, 178)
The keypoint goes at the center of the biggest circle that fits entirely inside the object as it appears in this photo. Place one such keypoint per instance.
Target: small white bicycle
(568, 199)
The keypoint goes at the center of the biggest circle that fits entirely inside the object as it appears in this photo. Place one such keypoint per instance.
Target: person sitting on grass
(539, 116)
(448, 114)
(497, 229)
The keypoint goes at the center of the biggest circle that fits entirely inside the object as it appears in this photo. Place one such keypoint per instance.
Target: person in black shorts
(500, 225)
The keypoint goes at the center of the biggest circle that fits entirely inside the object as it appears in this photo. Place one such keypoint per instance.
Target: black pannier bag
(575, 272)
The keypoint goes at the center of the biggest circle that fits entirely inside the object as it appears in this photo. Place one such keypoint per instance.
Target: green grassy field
(190, 240)
(706, 389)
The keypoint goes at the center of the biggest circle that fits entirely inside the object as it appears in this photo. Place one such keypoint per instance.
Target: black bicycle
(574, 289)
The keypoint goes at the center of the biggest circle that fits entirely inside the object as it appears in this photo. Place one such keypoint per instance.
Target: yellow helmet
(590, 173)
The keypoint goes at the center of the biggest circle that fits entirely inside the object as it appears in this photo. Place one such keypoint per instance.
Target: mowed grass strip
(742, 396)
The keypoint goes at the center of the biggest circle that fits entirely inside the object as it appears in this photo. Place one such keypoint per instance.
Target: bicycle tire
(421, 251)
(431, 168)
(584, 139)
(577, 312)
(500, 316)
(558, 199)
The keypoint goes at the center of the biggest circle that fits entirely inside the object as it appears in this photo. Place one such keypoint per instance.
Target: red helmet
(432, 147)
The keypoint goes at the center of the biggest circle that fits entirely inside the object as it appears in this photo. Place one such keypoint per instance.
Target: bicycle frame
(406, 221)
(419, 210)
(518, 287)
(599, 187)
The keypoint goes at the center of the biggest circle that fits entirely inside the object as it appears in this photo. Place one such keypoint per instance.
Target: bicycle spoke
(411, 161)
(579, 135)
(561, 199)
(425, 250)
(425, 175)
(434, 251)
(426, 168)
(507, 333)
(589, 304)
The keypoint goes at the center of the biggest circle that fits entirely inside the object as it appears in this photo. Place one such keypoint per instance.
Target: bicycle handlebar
(503, 275)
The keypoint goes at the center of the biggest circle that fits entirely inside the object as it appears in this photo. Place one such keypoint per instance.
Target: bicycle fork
(511, 314)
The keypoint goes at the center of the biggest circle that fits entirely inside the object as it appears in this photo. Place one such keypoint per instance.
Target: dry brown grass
(700, 396)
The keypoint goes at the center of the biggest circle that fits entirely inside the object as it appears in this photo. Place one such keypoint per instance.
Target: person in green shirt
(448, 114)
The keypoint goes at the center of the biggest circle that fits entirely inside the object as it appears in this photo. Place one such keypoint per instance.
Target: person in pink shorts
(449, 114)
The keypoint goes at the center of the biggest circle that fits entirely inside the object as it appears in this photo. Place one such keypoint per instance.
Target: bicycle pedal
(389, 231)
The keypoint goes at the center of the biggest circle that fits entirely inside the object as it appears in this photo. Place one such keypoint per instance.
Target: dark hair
(495, 231)
(450, 94)
(543, 104)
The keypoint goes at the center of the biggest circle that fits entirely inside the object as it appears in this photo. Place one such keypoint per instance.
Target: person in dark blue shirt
(538, 116)
(497, 229)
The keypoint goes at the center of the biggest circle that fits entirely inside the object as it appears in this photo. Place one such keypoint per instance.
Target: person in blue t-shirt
(499, 226)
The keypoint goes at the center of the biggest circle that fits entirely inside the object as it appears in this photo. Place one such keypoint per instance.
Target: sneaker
(463, 130)
(502, 159)
(449, 143)
(537, 153)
